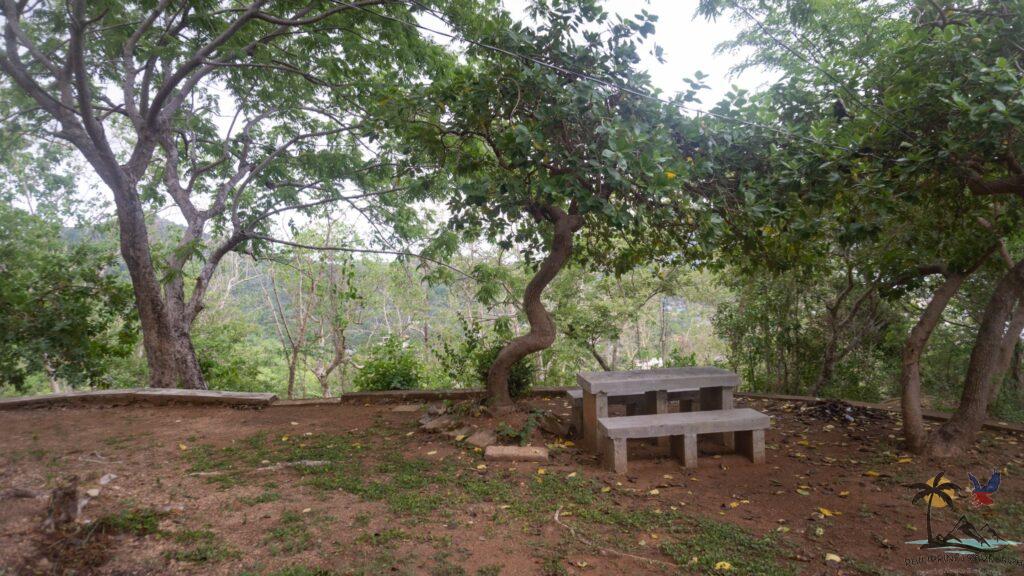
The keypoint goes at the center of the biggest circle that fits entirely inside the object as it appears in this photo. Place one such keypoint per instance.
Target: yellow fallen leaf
(830, 557)
(182, 447)
(670, 175)
(844, 493)
(606, 489)
(734, 504)
(723, 566)
(872, 474)
(569, 443)
(284, 438)
(460, 437)
(654, 492)
(802, 492)
(432, 452)
(541, 471)
(307, 510)
(826, 512)
(571, 475)
(904, 460)
(481, 466)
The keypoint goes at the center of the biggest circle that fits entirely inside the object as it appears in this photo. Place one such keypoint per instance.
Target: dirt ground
(344, 489)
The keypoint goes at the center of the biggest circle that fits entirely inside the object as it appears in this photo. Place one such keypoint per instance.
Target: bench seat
(683, 428)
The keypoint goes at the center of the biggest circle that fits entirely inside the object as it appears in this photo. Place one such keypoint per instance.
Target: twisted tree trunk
(542, 327)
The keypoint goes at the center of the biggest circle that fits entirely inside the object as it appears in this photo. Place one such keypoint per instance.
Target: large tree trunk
(959, 431)
(910, 373)
(542, 327)
(164, 351)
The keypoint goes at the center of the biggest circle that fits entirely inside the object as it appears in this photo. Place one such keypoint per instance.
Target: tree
(313, 300)
(927, 147)
(64, 308)
(138, 89)
(547, 161)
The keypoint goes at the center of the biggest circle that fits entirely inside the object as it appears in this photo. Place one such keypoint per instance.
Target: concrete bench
(634, 403)
(682, 428)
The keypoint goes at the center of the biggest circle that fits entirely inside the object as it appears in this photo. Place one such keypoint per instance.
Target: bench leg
(615, 454)
(684, 448)
(751, 444)
(685, 405)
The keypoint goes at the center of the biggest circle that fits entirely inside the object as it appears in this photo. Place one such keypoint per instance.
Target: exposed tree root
(278, 466)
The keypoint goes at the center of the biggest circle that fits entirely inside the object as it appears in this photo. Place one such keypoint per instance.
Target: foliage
(230, 357)
(467, 361)
(66, 310)
(390, 366)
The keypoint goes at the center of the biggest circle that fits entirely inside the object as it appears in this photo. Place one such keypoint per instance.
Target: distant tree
(65, 309)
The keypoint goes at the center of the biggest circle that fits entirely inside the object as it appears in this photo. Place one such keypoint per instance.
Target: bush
(389, 367)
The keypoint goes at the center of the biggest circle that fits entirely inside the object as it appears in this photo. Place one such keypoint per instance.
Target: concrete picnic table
(714, 387)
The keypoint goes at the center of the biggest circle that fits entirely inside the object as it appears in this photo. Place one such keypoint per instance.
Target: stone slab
(516, 453)
(678, 423)
(482, 438)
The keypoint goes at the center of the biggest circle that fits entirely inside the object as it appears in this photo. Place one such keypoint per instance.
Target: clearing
(203, 490)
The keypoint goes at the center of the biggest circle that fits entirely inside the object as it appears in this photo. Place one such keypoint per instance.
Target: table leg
(594, 406)
(718, 398)
(657, 403)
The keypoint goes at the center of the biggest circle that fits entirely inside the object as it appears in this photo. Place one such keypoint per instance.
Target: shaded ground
(205, 491)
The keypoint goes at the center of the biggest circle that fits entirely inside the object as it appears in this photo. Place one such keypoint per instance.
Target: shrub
(389, 367)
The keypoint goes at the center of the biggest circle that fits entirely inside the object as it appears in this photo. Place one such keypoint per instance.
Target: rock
(406, 408)
(93, 492)
(482, 438)
(436, 409)
(456, 432)
(516, 454)
(107, 479)
(554, 424)
(439, 424)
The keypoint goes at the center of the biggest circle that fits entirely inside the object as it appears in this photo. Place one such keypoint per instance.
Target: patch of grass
(711, 542)
(383, 538)
(445, 567)
(361, 520)
(291, 535)
(489, 570)
(201, 546)
(137, 521)
(268, 496)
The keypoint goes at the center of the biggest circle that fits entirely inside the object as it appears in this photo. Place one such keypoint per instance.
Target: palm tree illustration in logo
(964, 537)
(937, 494)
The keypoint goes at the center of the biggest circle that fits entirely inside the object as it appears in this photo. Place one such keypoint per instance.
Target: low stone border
(158, 396)
(161, 396)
